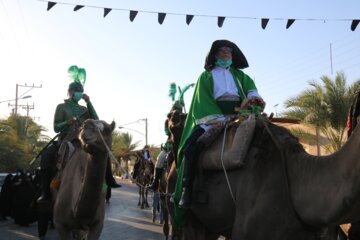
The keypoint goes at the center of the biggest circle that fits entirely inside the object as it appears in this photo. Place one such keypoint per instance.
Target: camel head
(176, 122)
(95, 133)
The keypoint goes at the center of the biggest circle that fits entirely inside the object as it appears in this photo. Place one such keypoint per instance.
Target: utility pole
(27, 107)
(17, 94)
(146, 131)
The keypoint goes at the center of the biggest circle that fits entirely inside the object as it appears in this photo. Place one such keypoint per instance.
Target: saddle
(65, 152)
(228, 153)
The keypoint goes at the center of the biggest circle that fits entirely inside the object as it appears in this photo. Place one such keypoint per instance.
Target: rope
(111, 155)
(286, 175)
(222, 163)
(160, 193)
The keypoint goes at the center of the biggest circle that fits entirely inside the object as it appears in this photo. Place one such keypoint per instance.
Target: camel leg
(166, 224)
(146, 198)
(63, 232)
(96, 230)
(142, 198)
(42, 225)
(155, 203)
(139, 196)
(165, 214)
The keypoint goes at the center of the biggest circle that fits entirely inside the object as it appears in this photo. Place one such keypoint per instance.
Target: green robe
(68, 110)
(204, 108)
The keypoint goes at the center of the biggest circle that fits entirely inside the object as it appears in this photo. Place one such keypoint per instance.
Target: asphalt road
(123, 220)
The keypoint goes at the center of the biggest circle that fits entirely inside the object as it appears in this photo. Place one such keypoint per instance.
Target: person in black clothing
(6, 197)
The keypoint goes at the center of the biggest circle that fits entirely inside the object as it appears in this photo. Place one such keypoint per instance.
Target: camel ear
(112, 126)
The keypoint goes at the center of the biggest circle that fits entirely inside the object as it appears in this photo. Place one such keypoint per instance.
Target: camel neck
(92, 185)
(329, 185)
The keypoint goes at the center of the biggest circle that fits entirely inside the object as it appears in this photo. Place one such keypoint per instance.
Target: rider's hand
(259, 102)
(72, 121)
(86, 97)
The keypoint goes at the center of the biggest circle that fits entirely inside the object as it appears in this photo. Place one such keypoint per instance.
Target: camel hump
(233, 154)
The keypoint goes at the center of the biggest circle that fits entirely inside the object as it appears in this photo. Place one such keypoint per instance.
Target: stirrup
(185, 201)
(44, 198)
(153, 186)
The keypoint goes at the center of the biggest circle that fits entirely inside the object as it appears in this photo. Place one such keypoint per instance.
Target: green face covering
(223, 63)
(77, 96)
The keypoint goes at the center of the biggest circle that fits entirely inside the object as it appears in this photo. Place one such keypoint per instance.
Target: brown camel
(281, 192)
(80, 201)
(175, 123)
(143, 173)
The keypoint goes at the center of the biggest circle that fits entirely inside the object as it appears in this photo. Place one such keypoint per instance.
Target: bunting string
(189, 17)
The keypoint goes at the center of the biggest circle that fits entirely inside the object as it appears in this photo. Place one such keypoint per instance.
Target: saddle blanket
(237, 142)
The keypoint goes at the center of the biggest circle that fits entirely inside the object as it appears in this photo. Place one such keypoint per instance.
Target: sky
(130, 65)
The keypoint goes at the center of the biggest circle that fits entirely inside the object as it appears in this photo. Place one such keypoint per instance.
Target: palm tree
(325, 107)
(20, 140)
(123, 147)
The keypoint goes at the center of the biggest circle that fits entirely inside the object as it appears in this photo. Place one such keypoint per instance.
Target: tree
(20, 140)
(123, 147)
(325, 107)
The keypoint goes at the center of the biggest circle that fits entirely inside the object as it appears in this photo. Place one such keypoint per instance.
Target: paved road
(123, 220)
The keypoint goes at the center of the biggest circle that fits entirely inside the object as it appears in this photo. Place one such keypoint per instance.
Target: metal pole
(16, 100)
(331, 60)
(146, 131)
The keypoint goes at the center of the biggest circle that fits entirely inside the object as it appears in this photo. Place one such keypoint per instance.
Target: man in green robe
(67, 119)
(219, 89)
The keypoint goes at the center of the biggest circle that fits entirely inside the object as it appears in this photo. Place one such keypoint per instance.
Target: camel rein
(111, 155)
(286, 173)
(223, 165)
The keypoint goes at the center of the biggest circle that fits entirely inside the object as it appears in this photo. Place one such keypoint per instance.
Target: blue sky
(131, 64)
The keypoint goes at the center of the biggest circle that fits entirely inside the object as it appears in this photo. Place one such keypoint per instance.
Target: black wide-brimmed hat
(238, 58)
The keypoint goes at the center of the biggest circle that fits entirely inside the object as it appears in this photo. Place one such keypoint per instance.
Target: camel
(143, 172)
(175, 123)
(79, 207)
(281, 192)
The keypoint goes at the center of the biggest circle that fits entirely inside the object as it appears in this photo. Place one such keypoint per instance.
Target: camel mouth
(87, 139)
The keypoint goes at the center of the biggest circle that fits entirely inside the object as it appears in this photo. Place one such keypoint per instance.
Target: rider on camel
(162, 158)
(67, 119)
(219, 89)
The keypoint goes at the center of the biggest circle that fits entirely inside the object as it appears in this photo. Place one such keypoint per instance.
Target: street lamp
(24, 97)
(275, 106)
(146, 129)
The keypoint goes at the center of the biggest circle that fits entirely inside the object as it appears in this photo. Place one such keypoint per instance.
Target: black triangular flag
(289, 23)
(264, 22)
(133, 15)
(50, 5)
(161, 17)
(354, 24)
(78, 7)
(189, 18)
(221, 21)
(106, 11)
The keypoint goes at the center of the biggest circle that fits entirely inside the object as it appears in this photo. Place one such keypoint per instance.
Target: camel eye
(100, 126)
